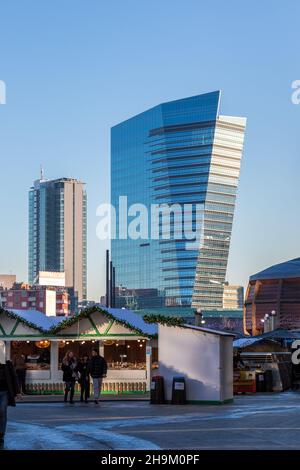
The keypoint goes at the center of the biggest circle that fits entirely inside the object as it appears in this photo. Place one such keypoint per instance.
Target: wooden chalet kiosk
(128, 344)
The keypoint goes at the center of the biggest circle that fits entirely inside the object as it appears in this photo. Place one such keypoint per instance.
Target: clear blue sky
(75, 68)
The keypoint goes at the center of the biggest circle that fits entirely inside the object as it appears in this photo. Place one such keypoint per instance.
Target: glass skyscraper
(57, 231)
(185, 153)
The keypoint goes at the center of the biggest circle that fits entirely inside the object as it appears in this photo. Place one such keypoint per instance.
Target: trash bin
(269, 380)
(178, 391)
(260, 382)
(157, 393)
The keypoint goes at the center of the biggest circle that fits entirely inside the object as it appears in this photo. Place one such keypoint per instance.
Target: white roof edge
(133, 319)
(208, 330)
(233, 119)
(41, 321)
(38, 319)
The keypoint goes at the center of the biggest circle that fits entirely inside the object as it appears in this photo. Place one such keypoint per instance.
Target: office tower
(233, 297)
(57, 231)
(181, 152)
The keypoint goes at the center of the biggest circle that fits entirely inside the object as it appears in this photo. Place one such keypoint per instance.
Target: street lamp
(198, 316)
(269, 321)
(266, 323)
(273, 315)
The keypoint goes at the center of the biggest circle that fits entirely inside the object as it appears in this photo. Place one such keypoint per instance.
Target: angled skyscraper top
(185, 153)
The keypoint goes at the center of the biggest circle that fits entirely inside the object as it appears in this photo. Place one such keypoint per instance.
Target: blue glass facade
(182, 153)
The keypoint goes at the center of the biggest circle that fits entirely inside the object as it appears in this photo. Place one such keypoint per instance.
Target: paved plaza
(266, 421)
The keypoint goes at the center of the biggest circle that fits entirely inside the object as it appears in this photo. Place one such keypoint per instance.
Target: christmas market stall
(127, 342)
(195, 360)
(263, 363)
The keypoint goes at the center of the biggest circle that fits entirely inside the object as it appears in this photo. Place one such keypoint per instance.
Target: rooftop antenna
(41, 173)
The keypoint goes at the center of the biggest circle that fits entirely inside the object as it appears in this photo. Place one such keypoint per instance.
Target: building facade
(273, 296)
(58, 231)
(7, 281)
(233, 297)
(46, 278)
(48, 300)
(186, 155)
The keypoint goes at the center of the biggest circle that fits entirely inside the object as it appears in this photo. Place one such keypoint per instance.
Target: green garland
(72, 320)
(164, 320)
(22, 320)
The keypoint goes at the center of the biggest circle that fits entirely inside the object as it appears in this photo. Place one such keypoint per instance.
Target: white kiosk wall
(203, 357)
(2, 352)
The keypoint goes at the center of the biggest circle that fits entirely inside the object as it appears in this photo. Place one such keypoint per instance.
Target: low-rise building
(273, 299)
(7, 281)
(48, 300)
(233, 297)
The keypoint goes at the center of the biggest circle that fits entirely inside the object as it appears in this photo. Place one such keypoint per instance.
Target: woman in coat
(69, 368)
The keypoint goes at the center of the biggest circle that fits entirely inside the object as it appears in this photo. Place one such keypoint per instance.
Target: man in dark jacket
(97, 370)
(9, 389)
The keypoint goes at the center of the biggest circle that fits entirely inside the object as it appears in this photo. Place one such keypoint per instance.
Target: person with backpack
(97, 370)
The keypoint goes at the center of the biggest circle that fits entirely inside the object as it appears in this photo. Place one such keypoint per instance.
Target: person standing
(97, 370)
(19, 363)
(9, 389)
(84, 379)
(69, 368)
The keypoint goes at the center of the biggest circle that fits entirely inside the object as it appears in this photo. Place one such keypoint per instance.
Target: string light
(42, 344)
